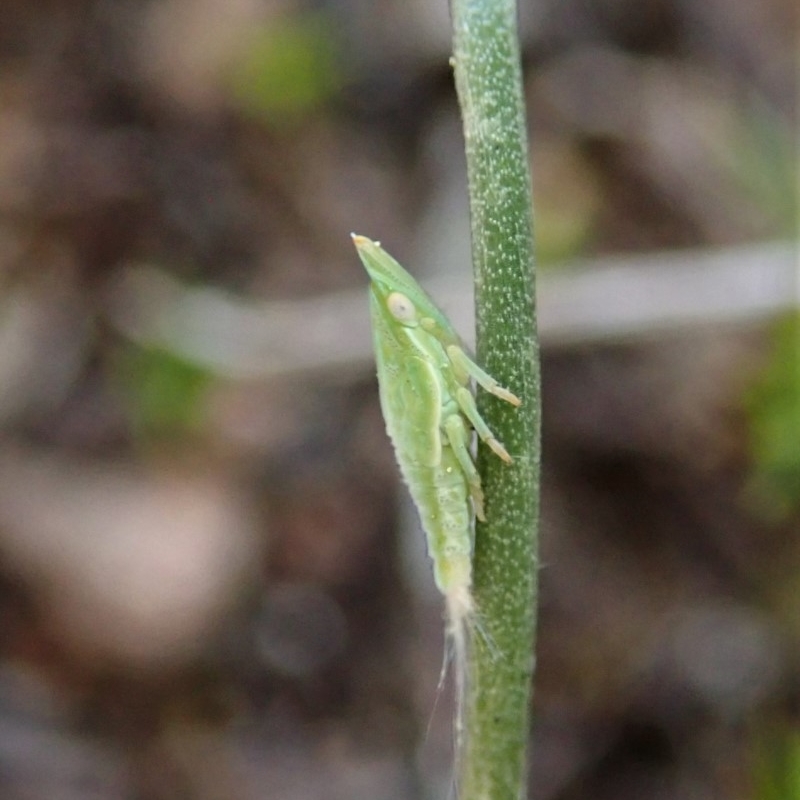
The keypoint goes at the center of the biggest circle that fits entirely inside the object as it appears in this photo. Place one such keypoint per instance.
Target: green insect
(424, 380)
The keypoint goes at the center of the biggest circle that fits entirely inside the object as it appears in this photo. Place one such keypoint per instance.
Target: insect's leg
(466, 366)
(458, 437)
(466, 403)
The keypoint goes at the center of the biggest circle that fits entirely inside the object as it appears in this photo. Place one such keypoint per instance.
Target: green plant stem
(500, 664)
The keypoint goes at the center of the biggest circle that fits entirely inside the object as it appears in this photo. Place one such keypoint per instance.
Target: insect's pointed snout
(373, 259)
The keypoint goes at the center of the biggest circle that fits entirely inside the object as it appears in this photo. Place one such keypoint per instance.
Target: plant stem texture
(500, 666)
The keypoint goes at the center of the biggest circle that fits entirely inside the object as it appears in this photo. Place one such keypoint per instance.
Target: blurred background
(211, 582)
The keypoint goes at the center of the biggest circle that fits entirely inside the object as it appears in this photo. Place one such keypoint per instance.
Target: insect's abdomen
(413, 398)
(441, 496)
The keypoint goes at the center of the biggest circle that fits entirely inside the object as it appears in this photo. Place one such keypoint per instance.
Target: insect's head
(392, 286)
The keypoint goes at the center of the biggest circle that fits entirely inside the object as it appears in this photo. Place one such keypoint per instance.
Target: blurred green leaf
(777, 767)
(166, 392)
(773, 407)
(288, 69)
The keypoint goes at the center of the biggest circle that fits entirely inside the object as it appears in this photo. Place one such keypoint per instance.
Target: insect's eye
(400, 307)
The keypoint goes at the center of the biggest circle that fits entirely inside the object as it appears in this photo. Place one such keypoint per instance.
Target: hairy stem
(501, 662)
